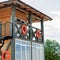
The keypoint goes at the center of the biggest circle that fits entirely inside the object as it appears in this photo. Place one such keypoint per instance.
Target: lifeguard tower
(19, 40)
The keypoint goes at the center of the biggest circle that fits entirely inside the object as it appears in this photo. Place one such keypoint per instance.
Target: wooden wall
(5, 14)
(21, 15)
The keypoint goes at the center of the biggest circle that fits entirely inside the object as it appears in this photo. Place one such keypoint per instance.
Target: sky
(52, 9)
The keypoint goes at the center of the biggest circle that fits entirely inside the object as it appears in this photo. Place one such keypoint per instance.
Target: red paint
(24, 29)
(6, 55)
(38, 35)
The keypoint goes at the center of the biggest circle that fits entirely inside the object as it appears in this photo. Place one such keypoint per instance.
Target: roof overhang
(23, 6)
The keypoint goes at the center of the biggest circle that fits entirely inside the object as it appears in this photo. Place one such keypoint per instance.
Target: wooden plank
(21, 15)
(5, 12)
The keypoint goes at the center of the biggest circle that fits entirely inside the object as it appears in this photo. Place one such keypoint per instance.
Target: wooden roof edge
(6, 4)
(47, 17)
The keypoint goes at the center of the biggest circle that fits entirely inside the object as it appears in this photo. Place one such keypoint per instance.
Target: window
(23, 50)
(36, 51)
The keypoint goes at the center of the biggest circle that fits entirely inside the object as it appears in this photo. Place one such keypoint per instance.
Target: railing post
(30, 30)
(42, 30)
(12, 31)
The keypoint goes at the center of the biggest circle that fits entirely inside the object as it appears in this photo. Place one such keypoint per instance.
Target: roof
(21, 5)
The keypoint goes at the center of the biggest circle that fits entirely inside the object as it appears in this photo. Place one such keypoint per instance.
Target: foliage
(52, 50)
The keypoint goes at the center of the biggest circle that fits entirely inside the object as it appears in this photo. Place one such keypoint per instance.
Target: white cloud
(3, 0)
(52, 28)
(56, 12)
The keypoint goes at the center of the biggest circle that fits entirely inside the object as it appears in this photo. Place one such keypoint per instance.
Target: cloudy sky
(52, 9)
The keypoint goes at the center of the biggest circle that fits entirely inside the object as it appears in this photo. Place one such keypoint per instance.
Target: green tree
(52, 50)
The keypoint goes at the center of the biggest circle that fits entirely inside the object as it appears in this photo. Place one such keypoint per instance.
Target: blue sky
(52, 9)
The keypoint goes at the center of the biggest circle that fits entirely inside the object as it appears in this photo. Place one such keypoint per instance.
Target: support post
(42, 30)
(12, 31)
(30, 31)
